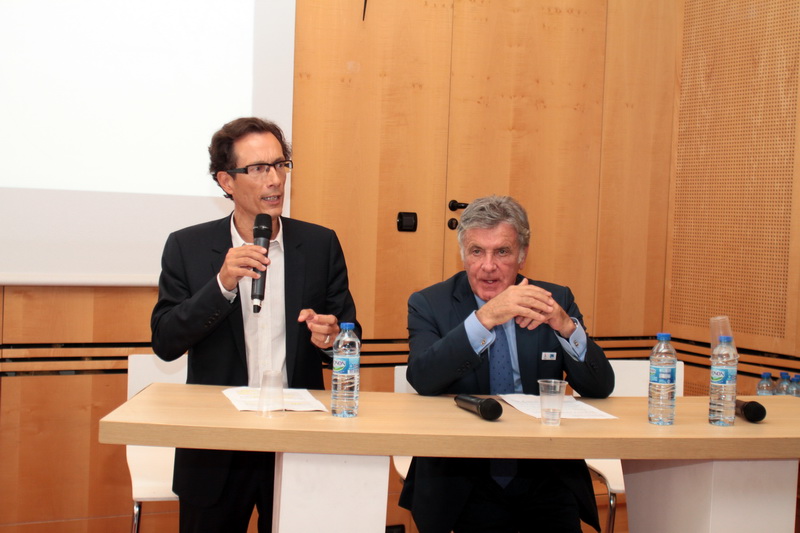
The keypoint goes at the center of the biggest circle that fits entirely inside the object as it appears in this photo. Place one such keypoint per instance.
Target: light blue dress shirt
(481, 338)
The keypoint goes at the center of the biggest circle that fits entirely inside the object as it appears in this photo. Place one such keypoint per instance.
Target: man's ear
(225, 181)
(523, 258)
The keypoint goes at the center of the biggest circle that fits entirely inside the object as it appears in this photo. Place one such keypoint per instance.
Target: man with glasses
(204, 308)
(490, 330)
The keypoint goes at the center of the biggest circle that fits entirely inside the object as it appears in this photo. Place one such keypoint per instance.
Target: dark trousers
(532, 502)
(250, 485)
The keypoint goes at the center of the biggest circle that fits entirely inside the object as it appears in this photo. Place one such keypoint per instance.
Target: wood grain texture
(54, 469)
(641, 81)
(409, 424)
(45, 315)
(733, 244)
(370, 140)
(525, 120)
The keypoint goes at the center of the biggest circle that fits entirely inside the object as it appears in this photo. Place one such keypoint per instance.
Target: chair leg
(137, 512)
(612, 511)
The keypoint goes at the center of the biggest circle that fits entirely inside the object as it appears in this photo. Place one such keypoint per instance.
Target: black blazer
(193, 316)
(442, 361)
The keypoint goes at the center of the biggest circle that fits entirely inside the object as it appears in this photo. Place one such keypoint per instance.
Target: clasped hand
(530, 306)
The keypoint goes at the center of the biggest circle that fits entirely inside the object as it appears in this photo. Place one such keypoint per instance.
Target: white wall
(107, 111)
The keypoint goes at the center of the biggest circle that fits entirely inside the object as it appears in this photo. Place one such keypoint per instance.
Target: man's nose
(273, 178)
(488, 263)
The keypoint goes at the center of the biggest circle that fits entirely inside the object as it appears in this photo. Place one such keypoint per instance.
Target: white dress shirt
(264, 332)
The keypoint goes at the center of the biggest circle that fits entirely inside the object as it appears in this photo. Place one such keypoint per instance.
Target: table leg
(331, 493)
(713, 496)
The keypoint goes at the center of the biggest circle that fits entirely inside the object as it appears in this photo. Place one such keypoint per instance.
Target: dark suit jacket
(192, 315)
(442, 361)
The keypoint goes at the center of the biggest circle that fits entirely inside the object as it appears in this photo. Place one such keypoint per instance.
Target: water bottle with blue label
(661, 395)
(346, 367)
(722, 389)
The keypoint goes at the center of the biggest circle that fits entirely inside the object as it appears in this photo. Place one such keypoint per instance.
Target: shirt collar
(237, 240)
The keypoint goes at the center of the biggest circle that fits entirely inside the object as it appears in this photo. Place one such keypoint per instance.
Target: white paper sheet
(246, 399)
(572, 408)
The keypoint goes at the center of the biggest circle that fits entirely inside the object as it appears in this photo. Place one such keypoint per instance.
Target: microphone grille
(262, 226)
(754, 412)
(490, 409)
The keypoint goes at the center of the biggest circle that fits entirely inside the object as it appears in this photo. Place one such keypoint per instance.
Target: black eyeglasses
(259, 170)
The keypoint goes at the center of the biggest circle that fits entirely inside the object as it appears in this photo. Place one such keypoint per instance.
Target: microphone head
(754, 412)
(263, 226)
(490, 409)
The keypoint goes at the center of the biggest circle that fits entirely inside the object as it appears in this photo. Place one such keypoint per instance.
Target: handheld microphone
(262, 232)
(751, 411)
(486, 408)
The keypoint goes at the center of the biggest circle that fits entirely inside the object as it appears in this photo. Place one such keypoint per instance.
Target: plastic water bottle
(765, 387)
(661, 397)
(346, 366)
(794, 387)
(782, 388)
(722, 390)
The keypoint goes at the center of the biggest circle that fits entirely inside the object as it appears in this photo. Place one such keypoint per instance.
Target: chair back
(402, 462)
(632, 377)
(401, 384)
(144, 369)
(151, 466)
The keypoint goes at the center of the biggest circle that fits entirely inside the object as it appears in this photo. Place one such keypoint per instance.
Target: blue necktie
(501, 381)
(501, 376)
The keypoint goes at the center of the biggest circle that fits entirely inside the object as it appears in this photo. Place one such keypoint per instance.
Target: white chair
(151, 466)
(401, 384)
(632, 379)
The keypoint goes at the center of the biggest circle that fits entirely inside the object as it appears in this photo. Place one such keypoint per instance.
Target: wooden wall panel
(641, 80)
(525, 120)
(734, 211)
(77, 314)
(369, 136)
(54, 469)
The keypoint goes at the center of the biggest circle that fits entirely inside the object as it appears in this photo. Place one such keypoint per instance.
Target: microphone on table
(262, 232)
(486, 408)
(751, 411)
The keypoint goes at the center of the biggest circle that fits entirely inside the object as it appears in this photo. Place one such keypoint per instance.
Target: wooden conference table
(333, 472)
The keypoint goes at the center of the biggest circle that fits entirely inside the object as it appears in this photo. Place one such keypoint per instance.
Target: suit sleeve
(185, 312)
(439, 356)
(594, 377)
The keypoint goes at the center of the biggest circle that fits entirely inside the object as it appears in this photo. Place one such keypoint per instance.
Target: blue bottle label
(722, 375)
(663, 375)
(346, 365)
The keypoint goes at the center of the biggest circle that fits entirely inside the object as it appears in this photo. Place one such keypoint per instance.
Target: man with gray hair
(489, 330)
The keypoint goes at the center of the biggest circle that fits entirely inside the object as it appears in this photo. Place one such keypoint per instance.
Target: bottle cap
(725, 338)
(785, 375)
(766, 375)
(346, 325)
(663, 336)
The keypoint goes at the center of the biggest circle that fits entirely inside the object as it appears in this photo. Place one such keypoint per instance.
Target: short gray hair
(488, 212)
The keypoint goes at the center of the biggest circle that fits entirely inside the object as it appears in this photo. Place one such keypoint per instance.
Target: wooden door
(370, 141)
(525, 120)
